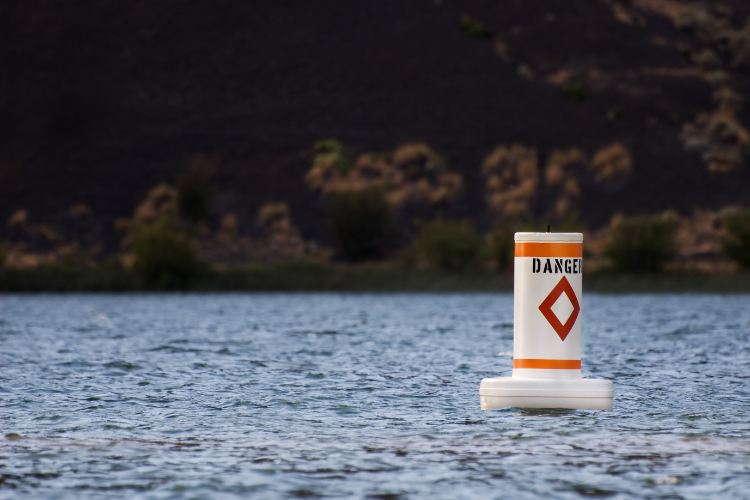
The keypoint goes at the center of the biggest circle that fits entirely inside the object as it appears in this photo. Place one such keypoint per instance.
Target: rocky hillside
(621, 106)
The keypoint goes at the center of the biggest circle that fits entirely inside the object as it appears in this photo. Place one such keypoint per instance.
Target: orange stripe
(550, 364)
(549, 249)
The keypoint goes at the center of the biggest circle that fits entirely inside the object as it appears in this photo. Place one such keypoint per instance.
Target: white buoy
(547, 330)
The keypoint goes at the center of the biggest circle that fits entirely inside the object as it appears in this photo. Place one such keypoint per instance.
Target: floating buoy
(547, 330)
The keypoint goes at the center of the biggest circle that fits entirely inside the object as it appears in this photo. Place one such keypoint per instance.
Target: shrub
(736, 244)
(642, 244)
(447, 244)
(574, 92)
(360, 221)
(332, 150)
(331, 163)
(499, 247)
(164, 258)
(614, 114)
(193, 190)
(474, 28)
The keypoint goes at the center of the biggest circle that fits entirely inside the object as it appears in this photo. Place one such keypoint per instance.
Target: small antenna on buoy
(548, 228)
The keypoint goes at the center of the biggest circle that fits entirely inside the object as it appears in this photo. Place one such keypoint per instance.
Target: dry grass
(18, 218)
(282, 241)
(728, 99)
(705, 24)
(699, 236)
(560, 76)
(71, 254)
(512, 175)
(159, 206)
(627, 16)
(17, 258)
(561, 171)
(611, 163)
(525, 71)
(417, 159)
(502, 49)
(275, 218)
(414, 172)
(739, 45)
(669, 8)
(721, 161)
(559, 164)
(707, 60)
(712, 23)
(228, 226)
(122, 224)
(79, 211)
(160, 202)
(719, 134)
(282, 236)
(330, 164)
(324, 174)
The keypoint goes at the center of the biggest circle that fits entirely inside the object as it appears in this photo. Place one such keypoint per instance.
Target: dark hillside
(100, 101)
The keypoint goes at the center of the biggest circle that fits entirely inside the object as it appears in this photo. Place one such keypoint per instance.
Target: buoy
(547, 330)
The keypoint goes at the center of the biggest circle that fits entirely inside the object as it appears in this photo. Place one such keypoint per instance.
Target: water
(362, 396)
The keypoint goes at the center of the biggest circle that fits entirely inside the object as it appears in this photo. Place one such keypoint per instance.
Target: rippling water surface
(362, 396)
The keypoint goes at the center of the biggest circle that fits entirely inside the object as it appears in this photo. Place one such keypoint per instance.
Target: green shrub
(736, 244)
(499, 247)
(448, 244)
(164, 258)
(360, 222)
(642, 244)
(334, 151)
(573, 91)
(194, 192)
(474, 28)
(614, 114)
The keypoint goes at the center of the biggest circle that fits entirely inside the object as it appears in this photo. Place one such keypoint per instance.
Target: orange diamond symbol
(563, 287)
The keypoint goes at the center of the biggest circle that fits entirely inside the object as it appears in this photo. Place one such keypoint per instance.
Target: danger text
(564, 266)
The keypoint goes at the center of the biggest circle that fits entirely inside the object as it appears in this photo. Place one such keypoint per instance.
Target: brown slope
(100, 101)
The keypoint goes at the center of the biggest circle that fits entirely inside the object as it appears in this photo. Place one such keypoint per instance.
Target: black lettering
(536, 265)
(575, 266)
(567, 266)
(580, 266)
(558, 265)
(547, 267)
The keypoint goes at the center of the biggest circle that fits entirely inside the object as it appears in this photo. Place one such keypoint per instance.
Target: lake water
(362, 396)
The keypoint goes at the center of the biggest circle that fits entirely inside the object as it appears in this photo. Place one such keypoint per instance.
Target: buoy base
(574, 394)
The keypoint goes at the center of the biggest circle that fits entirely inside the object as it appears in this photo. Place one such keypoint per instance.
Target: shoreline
(304, 277)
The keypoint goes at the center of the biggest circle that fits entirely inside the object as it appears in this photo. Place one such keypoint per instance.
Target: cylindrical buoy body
(547, 305)
(547, 330)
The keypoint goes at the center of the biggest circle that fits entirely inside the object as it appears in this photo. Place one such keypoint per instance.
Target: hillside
(101, 101)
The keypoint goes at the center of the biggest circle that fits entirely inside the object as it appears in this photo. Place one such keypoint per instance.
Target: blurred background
(166, 140)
